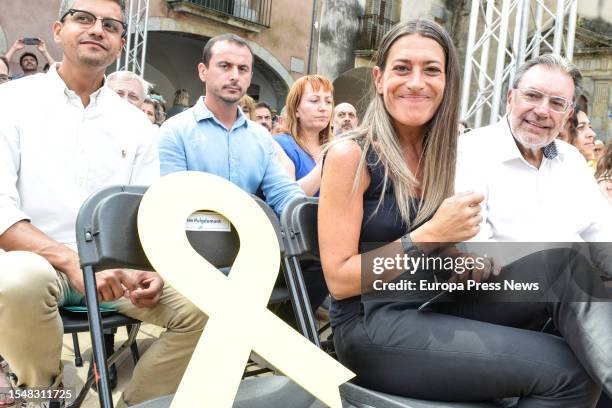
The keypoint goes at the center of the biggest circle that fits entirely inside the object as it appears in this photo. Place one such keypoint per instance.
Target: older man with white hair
(129, 86)
(528, 177)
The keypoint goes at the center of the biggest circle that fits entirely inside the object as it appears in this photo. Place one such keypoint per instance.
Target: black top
(377, 229)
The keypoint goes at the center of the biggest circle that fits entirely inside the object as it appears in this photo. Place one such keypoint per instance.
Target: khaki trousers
(31, 336)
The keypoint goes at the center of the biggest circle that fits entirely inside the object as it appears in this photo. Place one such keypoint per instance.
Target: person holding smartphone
(28, 61)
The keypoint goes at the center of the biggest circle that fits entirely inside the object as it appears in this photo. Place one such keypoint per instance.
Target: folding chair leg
(134, 346)
(97, 337)
(89, 382)
(78, 359)
(82, 394)
(292, 285)
(298, 290)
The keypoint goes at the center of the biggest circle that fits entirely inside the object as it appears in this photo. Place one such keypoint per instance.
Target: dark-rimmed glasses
(535, 97)
(87, 20)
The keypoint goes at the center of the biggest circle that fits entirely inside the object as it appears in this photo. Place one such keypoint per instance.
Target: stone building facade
(593, 56)
(336, 38)
(279, 32)
(341, 36)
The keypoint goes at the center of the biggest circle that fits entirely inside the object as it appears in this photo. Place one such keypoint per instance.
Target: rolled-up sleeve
(10, 212)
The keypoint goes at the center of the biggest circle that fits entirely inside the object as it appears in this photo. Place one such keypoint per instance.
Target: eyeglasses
(87, 20)
(535, 97)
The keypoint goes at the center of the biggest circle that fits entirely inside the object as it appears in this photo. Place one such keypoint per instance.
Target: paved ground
(74, 377)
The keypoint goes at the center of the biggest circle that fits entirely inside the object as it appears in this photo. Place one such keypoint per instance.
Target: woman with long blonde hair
(308, 122)
(387, 208)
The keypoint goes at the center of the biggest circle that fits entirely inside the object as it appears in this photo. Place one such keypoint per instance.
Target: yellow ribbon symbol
(239, 320)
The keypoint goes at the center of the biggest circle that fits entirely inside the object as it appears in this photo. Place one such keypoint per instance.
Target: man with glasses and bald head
(82, 138)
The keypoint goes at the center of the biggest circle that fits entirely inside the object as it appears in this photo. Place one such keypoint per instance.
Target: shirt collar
(510, 151)
(201, 112)
(58, 83)
(54, 79)
(550, 151)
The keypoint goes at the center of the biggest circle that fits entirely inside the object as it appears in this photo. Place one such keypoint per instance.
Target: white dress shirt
(557, 202)
(54, 152)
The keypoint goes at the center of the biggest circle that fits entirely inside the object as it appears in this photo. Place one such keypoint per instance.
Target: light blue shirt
(196, 140)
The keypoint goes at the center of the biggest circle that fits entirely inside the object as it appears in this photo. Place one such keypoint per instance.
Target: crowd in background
(336, 119)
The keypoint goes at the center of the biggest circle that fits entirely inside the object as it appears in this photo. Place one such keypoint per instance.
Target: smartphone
(31, 41)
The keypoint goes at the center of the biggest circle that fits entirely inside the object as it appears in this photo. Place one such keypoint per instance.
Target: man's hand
(18, 45)
(111, 284)
(145, 288)
(42, 47)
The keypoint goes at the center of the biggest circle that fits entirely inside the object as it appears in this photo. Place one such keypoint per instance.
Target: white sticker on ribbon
(207, 221)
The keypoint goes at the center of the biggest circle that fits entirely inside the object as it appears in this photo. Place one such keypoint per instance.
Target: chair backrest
(299, 223)
(107, 234)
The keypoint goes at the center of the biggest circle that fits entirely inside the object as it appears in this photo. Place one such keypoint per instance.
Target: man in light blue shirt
(215, 137)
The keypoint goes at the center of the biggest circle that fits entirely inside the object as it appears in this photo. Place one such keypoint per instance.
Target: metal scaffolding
(134, 55)
(537, 29)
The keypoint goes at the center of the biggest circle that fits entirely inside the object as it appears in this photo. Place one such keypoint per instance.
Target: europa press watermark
(458, 265)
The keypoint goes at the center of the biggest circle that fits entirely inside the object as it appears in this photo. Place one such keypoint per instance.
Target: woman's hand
(456, 220)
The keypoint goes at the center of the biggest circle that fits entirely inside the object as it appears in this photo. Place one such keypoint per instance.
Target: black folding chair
(107, 237)
(75, 322)
(299, 224)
